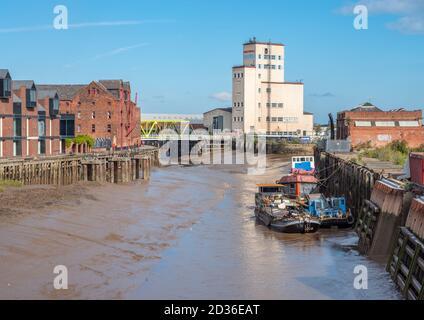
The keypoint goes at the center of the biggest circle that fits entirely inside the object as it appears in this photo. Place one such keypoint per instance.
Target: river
(189, 233)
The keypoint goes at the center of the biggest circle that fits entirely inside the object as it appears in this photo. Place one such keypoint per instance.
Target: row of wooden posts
(118, 167)
(344, 178)
(386, 222)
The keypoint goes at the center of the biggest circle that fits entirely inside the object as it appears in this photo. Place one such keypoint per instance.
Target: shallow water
(189, 233)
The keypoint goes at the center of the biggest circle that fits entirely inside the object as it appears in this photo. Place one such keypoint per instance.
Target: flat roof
(264, 43)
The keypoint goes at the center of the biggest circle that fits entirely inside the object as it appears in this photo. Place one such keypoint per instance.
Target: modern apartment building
(29, 122)
(262, 100)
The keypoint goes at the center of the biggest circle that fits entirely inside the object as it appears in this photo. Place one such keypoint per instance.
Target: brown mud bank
(107, 236)
(21, 200)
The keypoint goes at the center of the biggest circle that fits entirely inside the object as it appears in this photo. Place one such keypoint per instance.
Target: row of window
(93, 128)
(270, 66)
(269, 57)
(238, 75)
(268, 105)
(238, 119)
(284, 133)
(281, 119)
(93, 115)
(268, 90)
(387, 123)
(273, 105)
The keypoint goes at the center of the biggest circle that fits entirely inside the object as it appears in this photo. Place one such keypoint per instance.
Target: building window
(268, 105)
(235, 119)
(259, 119)
(93, 128)
(42, 127)
(241, 74)
(259, 90)
(235, 104)
(17, 148)
(280, 105)
(279, 57)
(17, 127)
(267, 119)
(242, 104)
(235, 75)
(41, 146)
(266, 51)
(241, 119)
(79, 115)
(93, 115)
(259, 75)
(385, 124)
(109, 115)
(274, 119)
(259, 105)
(259, 66)
(274, 105)
(259, 56)
(268, 90)
(109, 128)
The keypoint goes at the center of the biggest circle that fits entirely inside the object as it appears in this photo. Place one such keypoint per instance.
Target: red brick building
(367, 123)
(36, 120)
(102, 109)
(29, 122)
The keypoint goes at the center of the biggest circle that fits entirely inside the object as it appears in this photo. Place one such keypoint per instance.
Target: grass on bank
(396, 152)
(9, 184)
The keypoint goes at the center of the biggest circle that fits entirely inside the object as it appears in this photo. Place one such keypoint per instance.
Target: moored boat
(332, 212)
(282, 214)
(303, 165)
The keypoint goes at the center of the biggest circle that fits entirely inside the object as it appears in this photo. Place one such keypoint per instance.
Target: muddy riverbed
(189, 233)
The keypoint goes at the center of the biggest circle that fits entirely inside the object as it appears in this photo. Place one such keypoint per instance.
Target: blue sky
(178, 54)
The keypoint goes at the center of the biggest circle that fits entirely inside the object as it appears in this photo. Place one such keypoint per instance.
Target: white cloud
(410, 13)
(117, 51)
(221, 96)
(322, 95)
(408, 25)
(84, 25)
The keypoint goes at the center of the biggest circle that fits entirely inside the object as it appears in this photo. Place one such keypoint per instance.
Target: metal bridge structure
(182, 125)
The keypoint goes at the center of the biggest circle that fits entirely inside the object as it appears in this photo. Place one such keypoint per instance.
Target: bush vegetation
(396, 151)
(81, 139)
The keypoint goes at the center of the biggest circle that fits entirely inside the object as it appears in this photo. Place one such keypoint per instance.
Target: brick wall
(380, 136)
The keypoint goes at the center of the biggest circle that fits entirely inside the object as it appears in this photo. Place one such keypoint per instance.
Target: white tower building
(262, 100)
